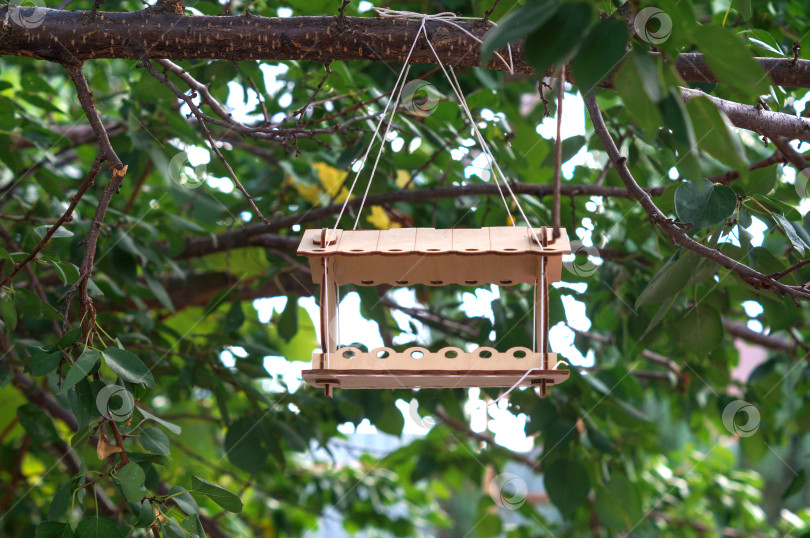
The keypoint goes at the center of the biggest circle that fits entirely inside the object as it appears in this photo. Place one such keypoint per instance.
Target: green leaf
(796, 485)
(558, 38)
(97, 527)
(37, 424)
(154, 440)
(84, 366)
(60, 232)
(744, 7)
(244, 444)
(704, 203)
(235, 317)
(701, 330)
(567, 483)
(600, 54)
(760, 181)
(791, 234)
(670, 279)
(8, 312)
(629, 85)
(54, 529)
(218, 494)
(618, 504)
(158, 290)
(184, 500)
(174, 428)
(731, 61)
(713, 135)
(61, 500)
(127, 366)
(288, 321)
(519, 23)
(132, 477)
(44, 363)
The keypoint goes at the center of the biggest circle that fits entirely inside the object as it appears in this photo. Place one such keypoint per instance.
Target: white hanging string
(519, 381)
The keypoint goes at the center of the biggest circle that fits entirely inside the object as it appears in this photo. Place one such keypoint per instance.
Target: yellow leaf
(310, 193)
(403, 177)
(331, 178)
(510, 221)
(379, 218)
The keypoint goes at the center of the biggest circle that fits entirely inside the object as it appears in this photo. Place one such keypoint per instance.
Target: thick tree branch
(676, 234)
(70, 36)
(201, 246)
(764, 122)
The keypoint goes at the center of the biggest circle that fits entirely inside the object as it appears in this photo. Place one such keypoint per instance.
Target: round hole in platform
(510, 249)
(451, 354)
(485, 354)
(519, 354)
(506, 282)
(348, 354)
(417, 354)
(402, 282)
(437, 282)
(394, 250)
(357, 250)
(367, 282)
(472, 249)
(383, 354)
(433, 249)
(471, 282)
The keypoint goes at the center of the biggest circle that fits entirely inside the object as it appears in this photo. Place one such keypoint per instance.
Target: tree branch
(676, 234)
(76, 36)
(201, 246)
(764, 122)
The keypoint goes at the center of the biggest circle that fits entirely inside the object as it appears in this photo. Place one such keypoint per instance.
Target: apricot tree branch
(676, 234)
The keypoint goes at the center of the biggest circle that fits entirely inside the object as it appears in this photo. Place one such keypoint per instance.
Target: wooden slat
(471, 241)
(397, 241)
(358, 242)
(432, 241)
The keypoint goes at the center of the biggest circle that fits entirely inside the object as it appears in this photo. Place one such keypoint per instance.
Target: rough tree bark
(74, 36)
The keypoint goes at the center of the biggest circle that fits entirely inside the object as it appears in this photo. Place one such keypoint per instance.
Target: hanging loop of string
(519, 381)
(448, 19)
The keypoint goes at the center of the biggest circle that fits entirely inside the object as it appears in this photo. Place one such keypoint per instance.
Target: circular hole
(507, 282)
(367, 282)
(402, 282)
(357, 250)
(471, 282)
(485, 354)
(451, 354)
(417, 354)
(437, 282)
(519, 354)
(383, 354)
(348, 354)
(472, 249)
(395, 250)
(433, 250)
(510, 249)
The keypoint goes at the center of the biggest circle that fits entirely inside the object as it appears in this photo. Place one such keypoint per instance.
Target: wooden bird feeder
(406, 256)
